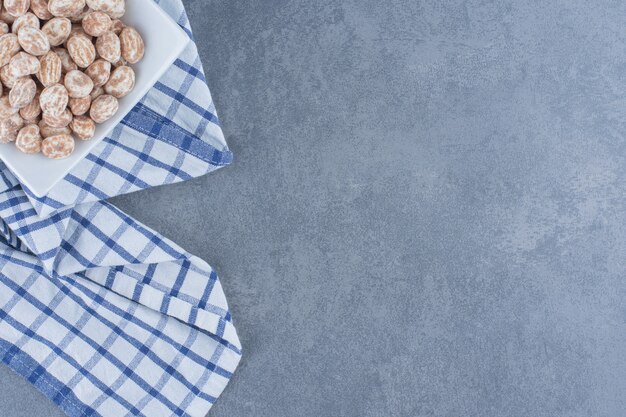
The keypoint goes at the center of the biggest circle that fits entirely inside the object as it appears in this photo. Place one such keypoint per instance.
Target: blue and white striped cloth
(101, 314)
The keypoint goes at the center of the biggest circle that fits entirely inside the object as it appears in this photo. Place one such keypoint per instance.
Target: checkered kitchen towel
(100, 313)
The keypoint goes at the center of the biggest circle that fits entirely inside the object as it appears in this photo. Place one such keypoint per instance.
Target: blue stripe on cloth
(144, 120)
(187, 102)
(45, 383)
(195, 358)
(127, 176)
(149, 159)
(72, 361)
(115, 310)
(44, 201)
(130, 373)
(196, 72)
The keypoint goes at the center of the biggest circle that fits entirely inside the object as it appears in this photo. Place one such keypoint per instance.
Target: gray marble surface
(427, 211)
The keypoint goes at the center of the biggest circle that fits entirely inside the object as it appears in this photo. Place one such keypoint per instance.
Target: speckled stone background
(427, 211)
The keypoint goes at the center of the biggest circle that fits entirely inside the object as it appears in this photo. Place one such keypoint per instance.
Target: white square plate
(164, 41)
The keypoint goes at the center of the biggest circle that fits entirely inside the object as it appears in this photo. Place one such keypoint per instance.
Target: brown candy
(23, 64)
(114, 8)
(16, 7)
(83, 127)
(6, 16)
(23, 92)
(53, 100)
(66, 60)
(6, 109)
(117, 26)
(99, 72)
(58, 120)
(97, 92)
(81, 50)
(50, 69)
(9, 46)
(33, 40)
(65, 8)
(78, 17)
(109, 47)
(96, 23)
(27, 19)
(47, 131)
(40, 9)
(9, 128)
(57, 146)
(29, 139)
(103, 108)
(132, 44)
(121, 82)
(32, 110)
(78, 84)
(6, 76)
(79, 106)
(57, 30)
